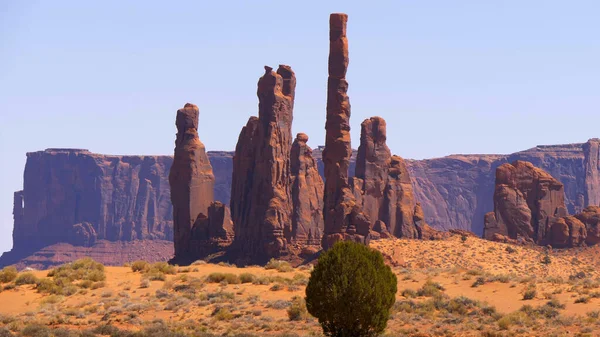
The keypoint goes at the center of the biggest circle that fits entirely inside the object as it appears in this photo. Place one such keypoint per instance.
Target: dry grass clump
(154, 272)
(226, 278)
(430, 289)
(8, 274)
(69, 278)
(297, 310)
(281, 266)
(26, 278)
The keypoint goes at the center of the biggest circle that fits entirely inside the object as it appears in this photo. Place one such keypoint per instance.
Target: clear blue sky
(448, 76)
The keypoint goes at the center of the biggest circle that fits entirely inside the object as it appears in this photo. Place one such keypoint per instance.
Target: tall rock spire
(343, 217)
(307, 194)
(382, 183)
(191, 179)
(261, 204)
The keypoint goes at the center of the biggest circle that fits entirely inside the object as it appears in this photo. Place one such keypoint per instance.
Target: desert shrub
(52, 299)
(156, 276)
(510, 249)
(4, 332)
(26, 278)
(577, 276)
(86, 284)
(164, 268)
(515, 318)
(145, 283)
(48, 286)
(546, 259)
(276, 287)
(82, 269)
(430, 289)
(177, 303)
(554, 303)
(222, 314)
(98, 285)
(593, 314)
(247, 278)
(582, 299)
(223, 277)
(262, 280)
(8, 274)
(409, 293)
(281, 266)
(139, 266)
(297, 310)
(300, 280)
(351, 291)
(529, 293)
(36, 330)
(106, 330)
(198, 263)
(479, 282)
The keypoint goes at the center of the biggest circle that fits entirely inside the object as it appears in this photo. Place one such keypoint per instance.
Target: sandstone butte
(529, 207)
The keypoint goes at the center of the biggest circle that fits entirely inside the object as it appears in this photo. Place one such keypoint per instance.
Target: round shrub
(351, 291)
(8, 274)
(26, 278)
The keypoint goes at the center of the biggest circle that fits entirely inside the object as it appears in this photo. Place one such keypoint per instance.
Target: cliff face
(456, 191)
(125, 198)
(66, 187)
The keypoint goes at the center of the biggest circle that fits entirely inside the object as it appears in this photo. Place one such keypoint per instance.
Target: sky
(448, 76)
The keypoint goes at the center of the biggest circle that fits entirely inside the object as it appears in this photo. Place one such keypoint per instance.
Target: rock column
(343, 217)
(191, 179)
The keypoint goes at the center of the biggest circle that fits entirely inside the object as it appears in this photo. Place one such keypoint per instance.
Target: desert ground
(458, 286)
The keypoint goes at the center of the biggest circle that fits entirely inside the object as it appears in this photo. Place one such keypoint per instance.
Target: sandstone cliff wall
(64, 187)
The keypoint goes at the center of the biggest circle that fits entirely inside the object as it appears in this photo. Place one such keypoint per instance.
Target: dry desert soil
(459, 286)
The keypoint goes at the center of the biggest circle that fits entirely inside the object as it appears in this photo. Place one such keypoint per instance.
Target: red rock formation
(590, 216)
(307, 194)
(526, 201)
(372, 165)
(261, 203)
(591, 151)
(124, 198)
(343, 217)
(212, 232)
(566, 231)
(529, 207)
(382, 184)
(191, 179)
